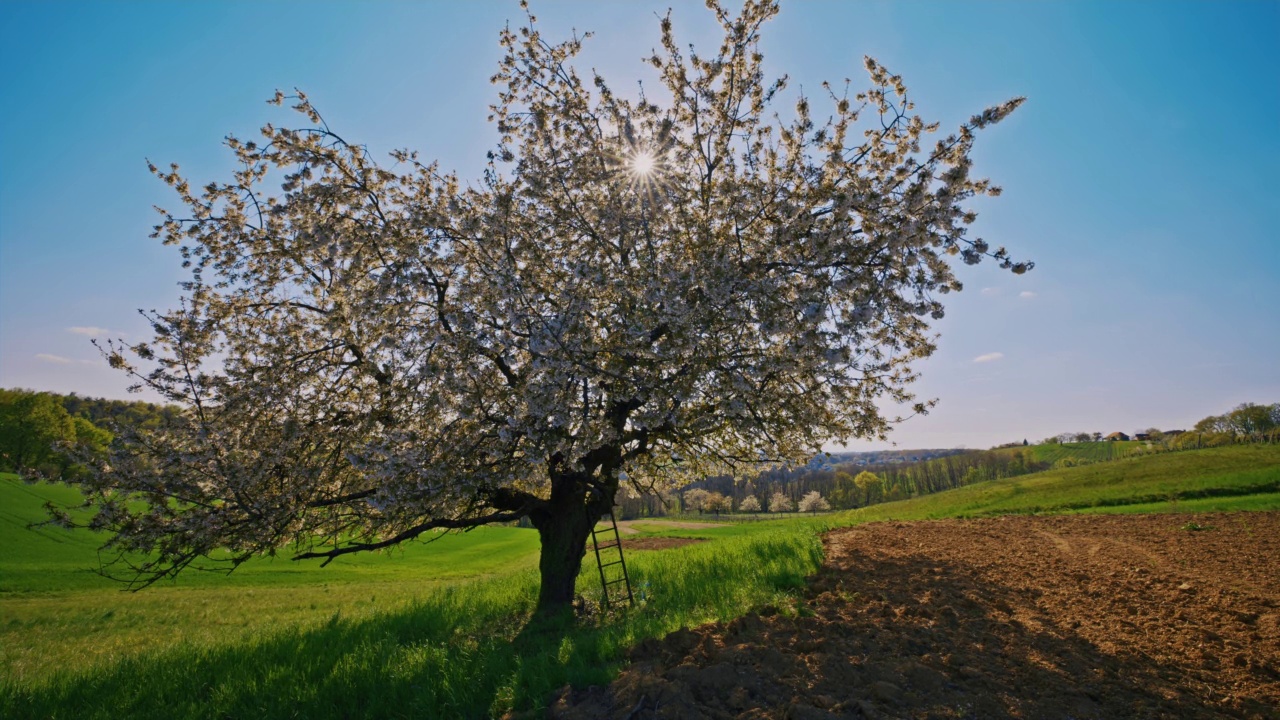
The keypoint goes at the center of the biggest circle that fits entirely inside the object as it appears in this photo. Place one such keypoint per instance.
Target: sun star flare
(643, 164)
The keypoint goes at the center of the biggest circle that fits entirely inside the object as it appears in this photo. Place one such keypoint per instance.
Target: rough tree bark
(563, 525)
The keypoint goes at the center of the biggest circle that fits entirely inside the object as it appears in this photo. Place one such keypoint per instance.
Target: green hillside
(1082, 453)
(43, 559)
(35, 556)
(1234, 477)
(1088, 452)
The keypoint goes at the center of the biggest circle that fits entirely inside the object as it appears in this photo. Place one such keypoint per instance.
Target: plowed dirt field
(1156, 616)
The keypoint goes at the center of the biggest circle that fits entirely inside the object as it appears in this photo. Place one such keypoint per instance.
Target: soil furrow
(1156, 616)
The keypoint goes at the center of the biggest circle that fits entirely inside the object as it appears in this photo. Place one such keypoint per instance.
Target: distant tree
(696, 499)
(1188, 440)
(1019, 462)
(90, 441)
(844, 492)
(1051, 441)
(1251, 419)
(1097, 437)
(868, 482)
(719, 503)
(779, 502)
(1024, 442)
(656, 287)
(670, 500)
(1217, 439)
(39, 437)
(749, 504)
(1083, 437)
(813, 502)
(34, 428)
(1213, 424)
(119, 413)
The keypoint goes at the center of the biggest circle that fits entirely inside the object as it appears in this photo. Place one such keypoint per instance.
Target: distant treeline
(857, 480)
(118, 413)
(1247, 420)
(844, 486)
(948, 473)
(885, 457)
(47, 433)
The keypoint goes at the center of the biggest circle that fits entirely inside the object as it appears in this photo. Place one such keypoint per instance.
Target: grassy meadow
(1241, 477)
(439, 629)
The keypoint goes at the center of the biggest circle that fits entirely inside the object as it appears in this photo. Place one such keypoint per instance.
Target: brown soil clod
(1016, 617)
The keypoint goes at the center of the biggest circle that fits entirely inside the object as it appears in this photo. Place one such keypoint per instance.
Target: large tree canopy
(638, 291)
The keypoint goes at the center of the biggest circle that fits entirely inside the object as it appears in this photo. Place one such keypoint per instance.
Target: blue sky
(1140, 175)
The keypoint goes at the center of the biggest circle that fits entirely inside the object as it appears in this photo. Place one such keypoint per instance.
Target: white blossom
(638, 292)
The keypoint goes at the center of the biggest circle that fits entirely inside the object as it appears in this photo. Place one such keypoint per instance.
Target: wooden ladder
(603, 560)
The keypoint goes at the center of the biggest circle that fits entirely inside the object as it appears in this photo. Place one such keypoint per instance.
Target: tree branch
(411, 533)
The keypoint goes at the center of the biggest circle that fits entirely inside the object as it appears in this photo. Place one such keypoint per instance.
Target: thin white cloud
(56, 359)
(989, 357)
(88, 330)
(990, 291)
(1026, 294)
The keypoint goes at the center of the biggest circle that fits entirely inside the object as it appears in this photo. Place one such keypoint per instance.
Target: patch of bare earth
(1026, 617)
(627, 527)
(657, 543)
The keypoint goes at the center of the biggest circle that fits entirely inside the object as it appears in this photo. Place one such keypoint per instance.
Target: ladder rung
(615, 543)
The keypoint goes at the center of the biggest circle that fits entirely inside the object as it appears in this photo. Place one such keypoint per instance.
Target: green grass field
(438, 629)
(1238, 477)
(55, 559)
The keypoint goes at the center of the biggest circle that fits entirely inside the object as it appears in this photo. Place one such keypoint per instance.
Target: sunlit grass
(41, 633)
(54, 559)
(461, 651)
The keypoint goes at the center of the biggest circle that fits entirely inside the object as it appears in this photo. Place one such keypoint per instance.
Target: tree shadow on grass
(464, 653)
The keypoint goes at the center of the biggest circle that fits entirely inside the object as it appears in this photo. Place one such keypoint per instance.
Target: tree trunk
(563, 527)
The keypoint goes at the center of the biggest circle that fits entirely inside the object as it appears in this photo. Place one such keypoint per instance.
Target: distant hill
(913, 473)
(1081, 453)
(1239, 477)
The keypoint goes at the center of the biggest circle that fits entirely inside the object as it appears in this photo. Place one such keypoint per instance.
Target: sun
(643, 168)
(643, 164)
